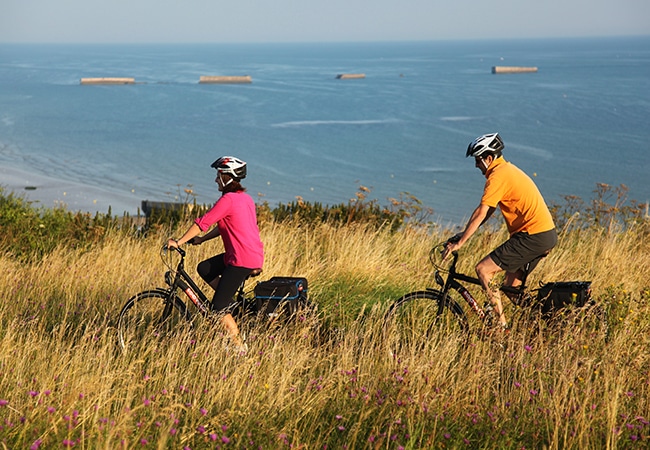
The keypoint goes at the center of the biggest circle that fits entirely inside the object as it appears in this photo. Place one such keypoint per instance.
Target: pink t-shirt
(234, 214)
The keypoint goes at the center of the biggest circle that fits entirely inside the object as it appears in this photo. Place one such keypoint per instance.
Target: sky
(219, 21)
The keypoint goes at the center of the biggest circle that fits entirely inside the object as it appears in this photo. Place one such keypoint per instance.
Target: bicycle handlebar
(178, 249)
(441, 246)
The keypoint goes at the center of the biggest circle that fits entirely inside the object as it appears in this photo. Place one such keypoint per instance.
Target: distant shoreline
(51, 192)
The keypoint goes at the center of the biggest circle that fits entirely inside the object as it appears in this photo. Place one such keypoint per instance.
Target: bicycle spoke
(417, 318)
(149, 316)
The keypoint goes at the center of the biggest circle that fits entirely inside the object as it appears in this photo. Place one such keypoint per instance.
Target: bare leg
(513, 279)
(486, 269)
(228, 320)
(231, 326)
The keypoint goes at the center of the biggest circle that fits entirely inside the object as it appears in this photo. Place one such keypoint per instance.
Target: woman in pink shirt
(236, 220)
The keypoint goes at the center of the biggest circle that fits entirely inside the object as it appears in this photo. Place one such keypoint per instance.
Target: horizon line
(329, 42)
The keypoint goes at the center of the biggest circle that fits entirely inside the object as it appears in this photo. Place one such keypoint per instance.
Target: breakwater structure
(209, 79)
(513, 69)
(149, 207)
(350, 76)
(108, 80)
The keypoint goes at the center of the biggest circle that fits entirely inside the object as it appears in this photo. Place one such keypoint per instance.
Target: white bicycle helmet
(232, 166)
(488, 143)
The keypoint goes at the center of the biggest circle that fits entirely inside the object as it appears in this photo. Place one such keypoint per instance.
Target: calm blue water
(582, 119)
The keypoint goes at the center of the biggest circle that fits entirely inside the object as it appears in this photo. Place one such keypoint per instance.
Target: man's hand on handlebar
(451, 245)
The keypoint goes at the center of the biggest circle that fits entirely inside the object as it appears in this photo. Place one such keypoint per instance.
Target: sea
(400, 132)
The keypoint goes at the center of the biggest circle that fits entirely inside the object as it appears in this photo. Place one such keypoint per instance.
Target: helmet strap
(221, 179)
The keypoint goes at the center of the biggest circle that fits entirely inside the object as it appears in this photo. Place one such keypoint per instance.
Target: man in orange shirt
(531, 227)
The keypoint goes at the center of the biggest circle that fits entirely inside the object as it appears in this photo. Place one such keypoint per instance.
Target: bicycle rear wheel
(590, 319)
(150, 315)
(421, 315)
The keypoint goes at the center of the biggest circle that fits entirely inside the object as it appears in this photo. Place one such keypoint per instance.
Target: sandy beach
(51, 192)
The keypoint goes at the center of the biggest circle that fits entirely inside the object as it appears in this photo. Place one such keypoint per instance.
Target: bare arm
(480, 215)
(213, 233)
(193, 231)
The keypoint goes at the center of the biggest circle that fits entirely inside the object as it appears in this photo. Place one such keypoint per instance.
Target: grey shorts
(523, 248)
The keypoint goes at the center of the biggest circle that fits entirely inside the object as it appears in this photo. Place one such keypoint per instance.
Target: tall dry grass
(339, 379)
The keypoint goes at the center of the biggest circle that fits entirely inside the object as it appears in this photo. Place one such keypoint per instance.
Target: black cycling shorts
(230, 278)
(523, 248)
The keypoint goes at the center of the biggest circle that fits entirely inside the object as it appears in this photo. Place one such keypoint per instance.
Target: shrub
(29, 232)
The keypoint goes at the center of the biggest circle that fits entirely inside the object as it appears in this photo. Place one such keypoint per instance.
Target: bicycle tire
(150, 314)
(420, 315)
(592, 318)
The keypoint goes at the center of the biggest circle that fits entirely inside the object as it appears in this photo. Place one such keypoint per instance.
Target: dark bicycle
(161, 311)
(421, 313)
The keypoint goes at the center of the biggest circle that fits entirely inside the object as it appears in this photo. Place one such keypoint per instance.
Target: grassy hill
(341, 378)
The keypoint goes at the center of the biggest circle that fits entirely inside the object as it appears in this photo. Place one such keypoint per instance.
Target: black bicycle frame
(452, 283)
(193, 292)
(185, 282)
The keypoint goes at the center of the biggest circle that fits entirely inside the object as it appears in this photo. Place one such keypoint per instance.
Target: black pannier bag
(281, 296)
(552, 297)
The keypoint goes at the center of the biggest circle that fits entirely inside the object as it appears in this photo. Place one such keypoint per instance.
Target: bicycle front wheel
(150, 315)
(421, 315)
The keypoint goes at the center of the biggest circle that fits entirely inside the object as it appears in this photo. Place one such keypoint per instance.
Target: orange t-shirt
(521, 203)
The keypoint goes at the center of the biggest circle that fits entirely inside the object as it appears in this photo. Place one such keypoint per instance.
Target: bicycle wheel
(150, 315)
(594, 321)
(420, 315)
